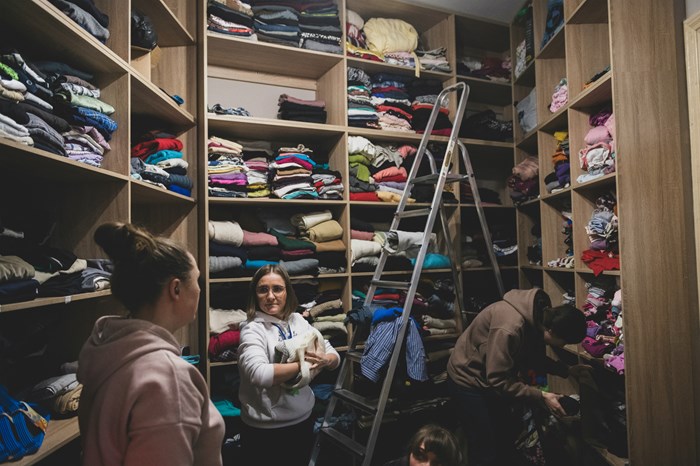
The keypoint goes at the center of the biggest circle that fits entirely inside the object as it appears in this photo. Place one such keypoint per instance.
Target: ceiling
(497, 10)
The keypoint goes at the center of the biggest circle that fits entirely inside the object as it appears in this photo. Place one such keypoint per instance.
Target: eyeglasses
(264, 290)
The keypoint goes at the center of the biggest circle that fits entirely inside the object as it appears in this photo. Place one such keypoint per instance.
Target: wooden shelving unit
(79, 197)
(596, 34)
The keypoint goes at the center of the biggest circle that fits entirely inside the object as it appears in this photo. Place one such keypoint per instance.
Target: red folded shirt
(598, 261)
(143, 149)
(223, 341)
(370, 196)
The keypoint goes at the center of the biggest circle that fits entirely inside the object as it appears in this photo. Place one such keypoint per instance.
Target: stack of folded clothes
(424, 93)
(434, 60)
(492, 68)
(524, 183)
(292, 108)
(277, 22)
(486, 125)
(361, 111)
(392, 101)
(226, 169)
(257, 155)
(291, 175)
(85, 14)
(157, 159)
(54, 107)
(225, 333)
(232, 17)
(320, 27)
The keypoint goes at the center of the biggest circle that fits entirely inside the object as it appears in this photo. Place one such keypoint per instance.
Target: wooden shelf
(488, 91)
(531, 267)
(529, 203)
(293, 277)
(385, 135)
(263, 57)
(558, 121)
(390, 204)
(485, 206)
(605, 181)
(146, 193)
(608, 457)
(529, 142)
(488, 269)
(527, 78)
(555, 48)
(590, 12)
(547, 268)
(43, 164)
(223, 363)
(263, 128)
(149, 101)
(596, 94)
(604, 272)
(400, 272)
(41, 302)
(372, 67)
(171, 32)
(487, 147)
(53, 31)
(559, 194)
(58, 433)
(272, 201)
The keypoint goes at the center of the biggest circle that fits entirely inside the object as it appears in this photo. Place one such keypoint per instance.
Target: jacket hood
(523, 301)
(262, 317)
(117, 341)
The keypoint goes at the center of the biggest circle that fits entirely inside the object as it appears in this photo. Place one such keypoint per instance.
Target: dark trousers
(488, 424)
(288, 446)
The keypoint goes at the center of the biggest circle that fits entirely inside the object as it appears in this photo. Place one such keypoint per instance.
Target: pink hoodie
(142, 404)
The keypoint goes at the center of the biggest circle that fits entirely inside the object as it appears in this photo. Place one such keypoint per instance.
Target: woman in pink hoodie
(142, 404)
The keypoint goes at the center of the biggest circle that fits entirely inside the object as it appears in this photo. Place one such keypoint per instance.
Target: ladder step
(413, 213)
(390, 284)
(356, 400)
(433, 179)
(344, 441)
(353, 355)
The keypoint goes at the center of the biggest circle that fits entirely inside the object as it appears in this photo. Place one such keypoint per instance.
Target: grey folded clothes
(305, 221)
(220, 264)
(301, 267)
(330, 326)
(372, 261)
(361, 248)
(221, 320)
(67, 403)
(51, 387)
(433, 322)
(406, 241)
(226, 232)
(319, 309)
(333, 318)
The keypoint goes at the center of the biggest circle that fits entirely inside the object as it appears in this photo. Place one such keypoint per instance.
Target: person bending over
(505, 339)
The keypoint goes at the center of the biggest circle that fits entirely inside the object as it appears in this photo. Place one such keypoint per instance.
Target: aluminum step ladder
(438, 179)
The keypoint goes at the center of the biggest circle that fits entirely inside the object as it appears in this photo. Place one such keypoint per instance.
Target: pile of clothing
(602, 231)
(59, 394)
(560, 178)
(376, 171)
(555, 20)
(225, 168)
(492, 68)
(86, 15)
(225, 333)
(392, 101)
(304, 244)
(524, 183)
(54, 107)
(567, 261)
(560, 96)
(424, 94)
(598, 157)
(296, 175)
(157, 159)
(321, 305)
(434, 59)
(319, 26)
(487, 195)
(486, 125)
(292, 108)
(604, 335)
(231, 17)
(361, 111)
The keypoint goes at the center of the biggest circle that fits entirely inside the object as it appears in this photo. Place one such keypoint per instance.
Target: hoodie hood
(523, 301)
(117, 341)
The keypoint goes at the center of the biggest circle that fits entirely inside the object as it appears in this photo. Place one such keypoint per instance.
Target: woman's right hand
(551, 400)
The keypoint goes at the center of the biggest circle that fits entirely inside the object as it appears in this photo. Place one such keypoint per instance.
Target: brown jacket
(502, 340)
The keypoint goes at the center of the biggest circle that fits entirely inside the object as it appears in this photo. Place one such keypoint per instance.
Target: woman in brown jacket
(507, 338)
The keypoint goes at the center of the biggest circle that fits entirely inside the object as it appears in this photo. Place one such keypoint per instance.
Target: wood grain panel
(658, 284)
(583, 62)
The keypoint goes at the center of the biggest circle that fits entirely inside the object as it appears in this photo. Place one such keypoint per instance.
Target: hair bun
(123, 241)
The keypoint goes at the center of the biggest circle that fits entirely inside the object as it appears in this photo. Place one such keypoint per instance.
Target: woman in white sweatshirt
(142, 404)
(277, 424)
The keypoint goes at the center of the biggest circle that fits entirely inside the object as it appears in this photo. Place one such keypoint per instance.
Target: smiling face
(272, 294)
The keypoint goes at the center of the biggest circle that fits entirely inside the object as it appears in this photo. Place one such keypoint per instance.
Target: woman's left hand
(319, 361)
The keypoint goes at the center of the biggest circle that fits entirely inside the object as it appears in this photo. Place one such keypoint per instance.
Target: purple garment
(228, 176)
(599, 119)
(562, 172)
(599, 245)
(393, 184)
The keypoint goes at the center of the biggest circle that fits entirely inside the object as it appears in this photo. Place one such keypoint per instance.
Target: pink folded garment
(297, 253)
(224, 181)
(597, 134)
(363, 235)
(390, 173)
(252, 238)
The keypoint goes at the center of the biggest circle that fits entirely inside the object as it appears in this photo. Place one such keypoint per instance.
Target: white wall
(259, 99)
(691, 7)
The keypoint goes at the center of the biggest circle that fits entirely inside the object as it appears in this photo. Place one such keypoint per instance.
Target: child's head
(433, 445)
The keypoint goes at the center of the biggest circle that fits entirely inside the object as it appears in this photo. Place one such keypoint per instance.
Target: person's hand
(551, 400)
(319, 361)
